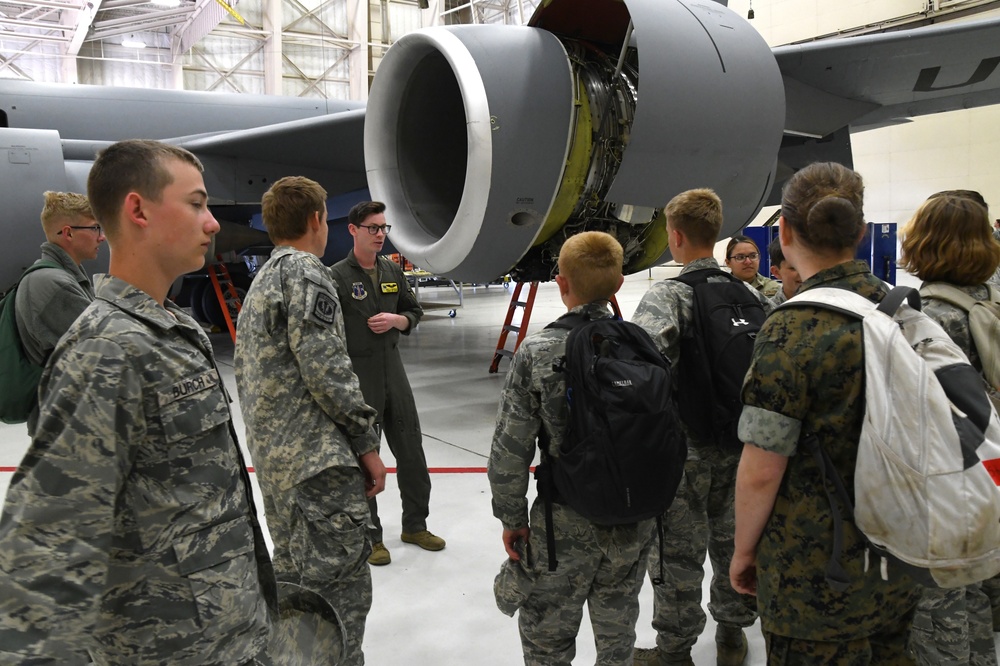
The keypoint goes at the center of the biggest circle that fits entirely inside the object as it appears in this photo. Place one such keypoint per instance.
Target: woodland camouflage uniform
(807, 376)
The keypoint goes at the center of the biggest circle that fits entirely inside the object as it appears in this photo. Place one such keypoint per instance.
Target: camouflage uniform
(955, 626)
(384, 385)
(306, 424)
(765, 285)
(47, 303)
(129, 530)
(599, 565)
(807, 376)
(702, 513)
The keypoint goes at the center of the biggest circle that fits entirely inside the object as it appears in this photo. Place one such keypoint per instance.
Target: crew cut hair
(775, 254)
(362, 211)
(698, 214)
(949, 239)
(62, 208)
(287, 206)
(591, 261)
(135, 165)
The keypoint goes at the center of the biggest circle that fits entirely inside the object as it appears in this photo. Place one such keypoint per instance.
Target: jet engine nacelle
(491, 145)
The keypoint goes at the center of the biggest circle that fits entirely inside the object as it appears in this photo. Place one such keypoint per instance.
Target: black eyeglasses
(753, 256)
(93, 227)
(373, 229)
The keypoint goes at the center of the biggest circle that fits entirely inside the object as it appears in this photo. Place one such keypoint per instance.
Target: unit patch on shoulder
(358, 291)
(390, 288)
(324, 308)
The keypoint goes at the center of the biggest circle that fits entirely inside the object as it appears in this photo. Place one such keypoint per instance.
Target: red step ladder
(225, 291)
(522, 328)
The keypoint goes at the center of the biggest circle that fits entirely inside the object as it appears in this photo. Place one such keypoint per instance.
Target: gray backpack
(984, 324)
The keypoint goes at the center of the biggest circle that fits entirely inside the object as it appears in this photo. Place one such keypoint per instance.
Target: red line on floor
(391, 470)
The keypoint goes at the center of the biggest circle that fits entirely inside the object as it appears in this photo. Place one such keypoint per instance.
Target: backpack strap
(546, 485)
(701, 276)
(836, 575)
(895, 298)
(955, 296)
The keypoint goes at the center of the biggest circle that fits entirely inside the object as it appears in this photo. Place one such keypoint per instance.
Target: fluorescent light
(133, 44)
(167, 3)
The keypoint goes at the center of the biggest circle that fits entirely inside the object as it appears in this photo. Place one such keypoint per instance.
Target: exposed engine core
(491, 145)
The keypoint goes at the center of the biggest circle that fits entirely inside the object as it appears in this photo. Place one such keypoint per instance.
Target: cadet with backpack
(603, 375)
(807, 381)
(51, 294)
(704, 322)
(948, 245)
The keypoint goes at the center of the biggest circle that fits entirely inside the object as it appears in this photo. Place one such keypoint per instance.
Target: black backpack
(715, 356)
(19, 391)
(623, 453)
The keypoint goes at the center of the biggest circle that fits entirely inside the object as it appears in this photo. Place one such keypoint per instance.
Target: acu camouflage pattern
(306, 424)
(702, 512)
(807, 376)
(765, 285)
(599, 565)
(129, 530)
(955, 626)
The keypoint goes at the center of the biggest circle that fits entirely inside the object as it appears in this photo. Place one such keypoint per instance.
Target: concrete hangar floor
(437, 609)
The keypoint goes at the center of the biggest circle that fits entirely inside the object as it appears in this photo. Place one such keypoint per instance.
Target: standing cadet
(600, 565)
(50, 299)
(379, 305)
(129, 533)
(702, 513)
(782, 269)
(308, 427)
(807, 378)
(948, 241)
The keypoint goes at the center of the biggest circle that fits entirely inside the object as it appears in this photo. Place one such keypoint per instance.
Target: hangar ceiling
(321, 48)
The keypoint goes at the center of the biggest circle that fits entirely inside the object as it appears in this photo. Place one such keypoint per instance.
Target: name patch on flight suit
(390, 288)
(324, 308)
(358, 291)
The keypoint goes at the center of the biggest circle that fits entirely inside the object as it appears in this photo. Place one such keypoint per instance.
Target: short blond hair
(698, 214)
(287, 206)
(591, 261)
(63, 208)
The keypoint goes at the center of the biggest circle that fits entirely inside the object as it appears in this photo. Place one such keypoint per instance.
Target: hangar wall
(903, 164)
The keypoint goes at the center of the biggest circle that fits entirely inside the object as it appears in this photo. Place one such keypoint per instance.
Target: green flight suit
(380, 371)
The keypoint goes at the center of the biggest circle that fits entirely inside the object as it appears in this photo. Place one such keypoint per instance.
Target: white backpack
(928, 467)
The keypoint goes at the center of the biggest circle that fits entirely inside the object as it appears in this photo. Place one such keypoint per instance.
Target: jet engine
(491, 145)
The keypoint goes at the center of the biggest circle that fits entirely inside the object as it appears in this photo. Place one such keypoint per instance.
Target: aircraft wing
(334, 142)
(875, 80)
(492, 144)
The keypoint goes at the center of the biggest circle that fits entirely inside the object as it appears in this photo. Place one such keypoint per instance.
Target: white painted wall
(904, 164)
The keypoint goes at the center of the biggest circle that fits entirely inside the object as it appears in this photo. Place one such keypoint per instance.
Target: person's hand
(743, 573)
(511, 537)
(386, 321)
(371, 464)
